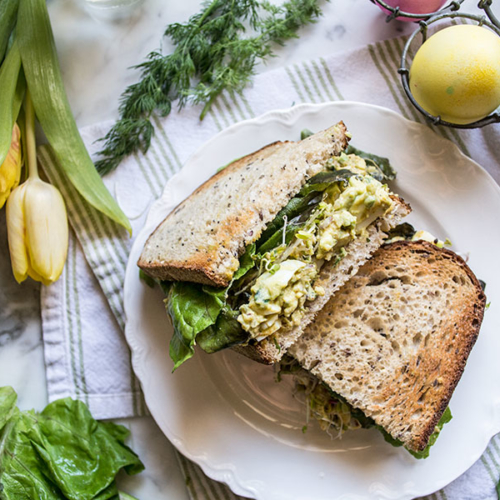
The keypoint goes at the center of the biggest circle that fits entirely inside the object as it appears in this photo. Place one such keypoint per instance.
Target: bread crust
(198, 269)
(469, 325)
(398, 358)
(203, 237)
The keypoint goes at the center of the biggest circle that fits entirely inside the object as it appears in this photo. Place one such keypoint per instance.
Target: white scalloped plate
(228, 414)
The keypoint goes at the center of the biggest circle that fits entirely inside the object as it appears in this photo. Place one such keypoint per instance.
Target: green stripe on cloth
(488, 468)
(155, 172)
(214, 117)
(241, 112)
(373, 55)
(187, 475)
(330, 78)
(174, 165)
(295, 84)
(218, 108)
(313, 81)
(322, 81)
(78, 320)
(247, 105)
(304, 83)
(152, 185)
(177, 162)
(69, 320)
(198, 480)
(90, 230)
(228, 108)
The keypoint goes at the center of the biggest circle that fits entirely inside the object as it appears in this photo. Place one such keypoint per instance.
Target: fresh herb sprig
(211, 55)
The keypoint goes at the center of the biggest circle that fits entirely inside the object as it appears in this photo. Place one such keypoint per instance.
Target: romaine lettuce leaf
(195, 308)
(61, 453)
(8, 399)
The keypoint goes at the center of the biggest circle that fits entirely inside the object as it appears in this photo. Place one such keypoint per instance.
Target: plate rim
(228, 475)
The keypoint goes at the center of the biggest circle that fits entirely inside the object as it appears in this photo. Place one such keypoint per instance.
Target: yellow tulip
(10, 170)
(37, 227)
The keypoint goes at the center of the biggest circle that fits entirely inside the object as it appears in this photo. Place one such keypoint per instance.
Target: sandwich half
(253, 254)
(391, 345)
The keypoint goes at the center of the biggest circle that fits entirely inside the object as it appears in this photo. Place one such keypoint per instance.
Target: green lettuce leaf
(385, 171)
(192, 308)
(305, 133)
(445, 418)
(8, 399)
(225, 332)
(61, 453)
(247, 262)
(196, 308)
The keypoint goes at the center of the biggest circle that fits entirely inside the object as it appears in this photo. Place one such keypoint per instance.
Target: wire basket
(431, 21)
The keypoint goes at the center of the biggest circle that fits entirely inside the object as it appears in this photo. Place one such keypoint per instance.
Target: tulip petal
(17, 233)
(10, 170)
(46, 230)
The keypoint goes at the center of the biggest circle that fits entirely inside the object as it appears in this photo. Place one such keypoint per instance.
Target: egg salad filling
(286, 276)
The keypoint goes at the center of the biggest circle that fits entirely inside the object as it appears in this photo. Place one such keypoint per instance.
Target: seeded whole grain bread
(395, 339)
(331, 278)
(202, 239)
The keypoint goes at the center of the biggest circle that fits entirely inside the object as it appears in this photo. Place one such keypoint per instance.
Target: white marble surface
(95, 55)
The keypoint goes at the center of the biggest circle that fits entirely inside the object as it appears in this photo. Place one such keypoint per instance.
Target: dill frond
(211, 54)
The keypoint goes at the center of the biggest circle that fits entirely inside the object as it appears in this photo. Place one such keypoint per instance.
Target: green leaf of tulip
(43, 76)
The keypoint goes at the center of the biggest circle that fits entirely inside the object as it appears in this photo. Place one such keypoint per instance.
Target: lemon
(456, 74)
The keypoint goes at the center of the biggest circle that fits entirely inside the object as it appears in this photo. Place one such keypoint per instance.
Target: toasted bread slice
(395, 339)
(202, 239)
(331, 278)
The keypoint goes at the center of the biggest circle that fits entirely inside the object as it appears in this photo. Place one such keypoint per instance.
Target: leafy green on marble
(61, 453)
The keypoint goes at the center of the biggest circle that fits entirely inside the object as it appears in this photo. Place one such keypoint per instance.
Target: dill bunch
(211, 54)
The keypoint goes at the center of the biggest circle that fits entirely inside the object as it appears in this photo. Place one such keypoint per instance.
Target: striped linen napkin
(83, 319)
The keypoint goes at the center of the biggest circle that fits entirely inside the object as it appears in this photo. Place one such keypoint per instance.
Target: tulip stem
(30, 137)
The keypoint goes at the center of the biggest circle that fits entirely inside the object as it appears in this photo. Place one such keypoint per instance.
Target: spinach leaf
(247, 262)
(277, 238)
(305, 199)
(384, 167)
(404, 230)
(305, 133)
(125, 496)
(445, 418)
(322, 181)
(226, 332)
(192, 307)
(147, 279)
(61, 453)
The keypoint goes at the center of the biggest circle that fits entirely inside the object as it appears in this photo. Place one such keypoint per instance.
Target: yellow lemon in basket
(456, 74)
